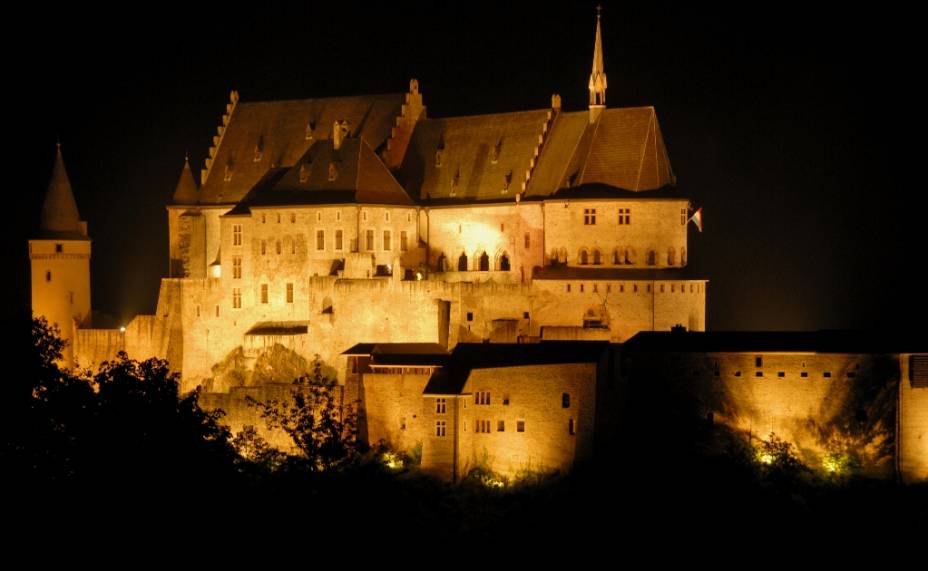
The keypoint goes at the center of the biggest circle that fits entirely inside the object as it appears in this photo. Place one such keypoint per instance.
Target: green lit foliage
(776, 458)
(322, 429)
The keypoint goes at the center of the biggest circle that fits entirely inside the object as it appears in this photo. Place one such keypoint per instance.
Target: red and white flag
(697, 219)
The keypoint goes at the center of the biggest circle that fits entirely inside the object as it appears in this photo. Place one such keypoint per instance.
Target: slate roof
(848, 342)
(60, 218)
(186, 191)
(396, 354)
(469, 356)
(279, 328)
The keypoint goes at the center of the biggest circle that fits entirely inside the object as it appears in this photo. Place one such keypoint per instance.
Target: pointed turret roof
(186, 191)
(598, 75)
(60, 218)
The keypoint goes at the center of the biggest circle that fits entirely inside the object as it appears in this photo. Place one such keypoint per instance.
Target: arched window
(504, 262)
(671, 256)
(462, 263)
(652, 257)
(630, 255)
(597, 258)
(617, 257)
(584, 257)
(562, 255)
(440, 263)
(484, 262)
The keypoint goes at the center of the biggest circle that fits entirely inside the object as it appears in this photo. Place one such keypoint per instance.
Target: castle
(359, 230)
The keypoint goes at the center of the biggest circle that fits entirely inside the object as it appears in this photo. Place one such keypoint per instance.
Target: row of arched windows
(623, 256)
(480, 263)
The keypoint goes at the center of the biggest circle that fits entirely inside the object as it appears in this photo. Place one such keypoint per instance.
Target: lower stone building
(509, 409)
(834, 396)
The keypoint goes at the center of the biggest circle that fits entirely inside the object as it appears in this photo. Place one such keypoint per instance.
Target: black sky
(796, 129)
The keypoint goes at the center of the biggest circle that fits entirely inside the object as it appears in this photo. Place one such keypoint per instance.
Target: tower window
(565, 400)
(439, 428)
(290, 293)
(440, 406)
(263, 247)
(264, 293)
(528, 240)
(236, 234)
(237, 268)
(236, 298)
(59, 248)
(48, 276)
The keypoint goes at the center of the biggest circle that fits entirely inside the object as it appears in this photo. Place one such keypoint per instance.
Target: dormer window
(259, 149)
(507, 180)
(227, 175)
(455, 181)
(310, 127)
(304, 173)
(438, 156)
(333, 172)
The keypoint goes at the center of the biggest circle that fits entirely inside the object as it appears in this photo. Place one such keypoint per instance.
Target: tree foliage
(322, 428)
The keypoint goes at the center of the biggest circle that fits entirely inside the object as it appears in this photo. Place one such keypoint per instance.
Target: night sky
(796, 131)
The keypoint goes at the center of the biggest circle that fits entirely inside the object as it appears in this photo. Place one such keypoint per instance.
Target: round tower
(60, 260)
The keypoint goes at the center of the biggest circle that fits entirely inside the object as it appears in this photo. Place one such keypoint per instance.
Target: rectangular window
(289, 293)
(236, 234)
(589, 216)
(403, 241)
(565, 400)
(520, 426)
(440, 428)
(263, 247)
(319, 216)
(293, 218)
(482, 397)
(59, 248)
(48, 276)
(804, 374)
(217, 311)
(568, 288)
(338, 240)
(320, 239)
(386, 216)
(440, 406)
(236, 267)
(236, 298)
(500, 426)
(470, 315)
(278, 247)
(528, 240)
(758, 361)
(625, 216)
(263, 293)
(386, 240)
(369, 236)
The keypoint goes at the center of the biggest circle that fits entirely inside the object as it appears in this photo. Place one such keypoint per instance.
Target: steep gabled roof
(270, 134)
(324, 175)
(478, 153)
(60, 218)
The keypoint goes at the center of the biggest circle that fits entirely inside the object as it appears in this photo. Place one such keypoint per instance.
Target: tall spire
(186, 191)
(60, 218)
(598, 75)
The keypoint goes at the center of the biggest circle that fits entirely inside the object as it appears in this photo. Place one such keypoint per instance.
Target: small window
(263, 293)
(589, 216)
(386, 240)
(565, 400)
(369, 240)
(440, 428)
(403, 246)
(571, 427)
(48, 276)
(338, 216)
(217, 311)
(403, 423)
(236, 234)
(289, 293)
(320, 240)
(520, 426)
(278, 248)
(568, 288)
(440, 406)
(364, 216)
(524, 315)
(804, 374)
(339, 241)
(470, 315)
(737, 373)
(236, 267)
(781, 374)
(278, 217)
(263, 218)
(505, 400)
(625, 216)
(319, 216)
(59, 248)
(759, 374)
(386, 216)
(827, 374)
(293, 218)
(500, 426)
(236, 298)
(758, 361)
(263, 247)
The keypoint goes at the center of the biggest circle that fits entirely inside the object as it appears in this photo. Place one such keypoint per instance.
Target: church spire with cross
(598, 75)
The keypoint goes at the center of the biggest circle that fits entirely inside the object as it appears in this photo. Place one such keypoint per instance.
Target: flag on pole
(697, 219)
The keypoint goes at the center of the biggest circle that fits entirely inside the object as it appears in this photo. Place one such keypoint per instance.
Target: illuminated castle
(360, 230)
